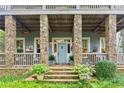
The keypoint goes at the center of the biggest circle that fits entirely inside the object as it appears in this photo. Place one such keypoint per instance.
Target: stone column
(10, 40)
(110, 35)
(77, 39)
(44, 39)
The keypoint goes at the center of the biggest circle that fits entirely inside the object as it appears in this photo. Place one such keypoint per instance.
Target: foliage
(105, 70)
(2, 38)
(71, 58)
(122, 46)
(17, 82)
(19, 50)
(9, 78)
(83, 70)
(39, 69)
(52, 58)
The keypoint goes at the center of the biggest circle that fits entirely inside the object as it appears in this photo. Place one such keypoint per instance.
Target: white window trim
(36, 38)
(63, 38)
(23, 43)
(87, 38)
(101, 42)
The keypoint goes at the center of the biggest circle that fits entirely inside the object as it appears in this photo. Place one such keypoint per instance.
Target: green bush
(71, 58)
(105, 70)
(52, 58)
(8, 78)
(84, 71)
(39, 69)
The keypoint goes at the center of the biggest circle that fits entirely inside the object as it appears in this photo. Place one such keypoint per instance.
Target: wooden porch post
(110, 34)
(44, 39)
(10, 40)
(77, 39)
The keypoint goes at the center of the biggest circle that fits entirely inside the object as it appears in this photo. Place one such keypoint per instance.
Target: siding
(94, 38)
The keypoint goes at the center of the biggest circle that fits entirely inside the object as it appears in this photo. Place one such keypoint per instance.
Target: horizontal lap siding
(29, 39)
(94, 38)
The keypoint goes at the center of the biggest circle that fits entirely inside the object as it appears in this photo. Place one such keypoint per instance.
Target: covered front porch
(32, 39)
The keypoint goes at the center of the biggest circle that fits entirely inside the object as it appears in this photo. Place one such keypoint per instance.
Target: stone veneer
(13, 71)
(44, 38)
(10, 40)
(77, 39)
(110, 34)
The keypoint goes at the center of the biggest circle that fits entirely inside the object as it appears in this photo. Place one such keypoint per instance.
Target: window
(102, 45)
(68, 48)
(20, 45)
(86, 45)
(55, 48)
(38, 45)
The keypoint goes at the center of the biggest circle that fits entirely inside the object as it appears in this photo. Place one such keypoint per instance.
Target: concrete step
(61, 68)
(61, 72)
(56, 76)
(62, 80)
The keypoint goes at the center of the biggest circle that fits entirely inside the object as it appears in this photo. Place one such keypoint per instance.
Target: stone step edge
(51, 71)
(61, 68)
(62, 80)
(57, 75)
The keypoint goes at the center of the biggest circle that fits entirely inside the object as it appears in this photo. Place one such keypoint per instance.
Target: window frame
(35, 45)
(101, 44)
(23, 39)
(86, 38)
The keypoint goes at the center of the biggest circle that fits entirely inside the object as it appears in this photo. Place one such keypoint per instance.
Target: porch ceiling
(94, 23)
(61, 22)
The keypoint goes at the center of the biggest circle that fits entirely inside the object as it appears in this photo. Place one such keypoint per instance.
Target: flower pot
(40, 77)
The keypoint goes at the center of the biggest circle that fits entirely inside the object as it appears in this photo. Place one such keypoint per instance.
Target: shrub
(51, 58)
(105, 69)
(71, 58)
(39, 69)
(83, 70)
(9, 78)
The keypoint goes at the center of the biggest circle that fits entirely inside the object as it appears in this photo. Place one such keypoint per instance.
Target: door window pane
(68, 48)
(38, 45)
(55, 48)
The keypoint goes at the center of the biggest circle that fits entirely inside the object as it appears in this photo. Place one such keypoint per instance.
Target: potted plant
(51, 59)
(39, 70)
(71, 59)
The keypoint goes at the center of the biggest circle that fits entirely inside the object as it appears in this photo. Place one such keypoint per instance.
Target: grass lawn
(14, 82)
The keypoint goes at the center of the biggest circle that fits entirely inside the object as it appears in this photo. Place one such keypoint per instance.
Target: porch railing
(2, 59)
(61, 7)
(94, 7)
(26, 59)
(120, 58)
(93, 58)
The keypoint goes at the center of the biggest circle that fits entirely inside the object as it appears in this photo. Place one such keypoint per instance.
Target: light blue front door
(62, 53)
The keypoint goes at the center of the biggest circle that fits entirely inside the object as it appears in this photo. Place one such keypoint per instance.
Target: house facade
(85, 32)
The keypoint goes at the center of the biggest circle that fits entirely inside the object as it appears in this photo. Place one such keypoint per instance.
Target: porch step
(61, 74)
(62, 80)
(61, 68)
